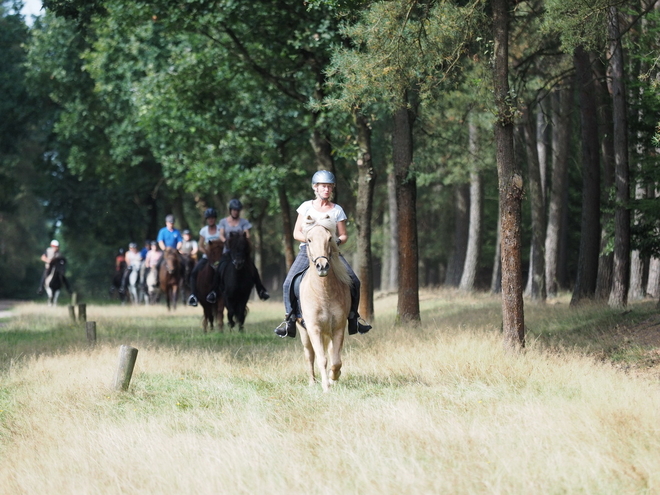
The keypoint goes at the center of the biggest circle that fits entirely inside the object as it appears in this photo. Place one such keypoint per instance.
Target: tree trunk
(510, 185)
(585, 284)
(636, 285)
(621, 267)
(476, 200)
(561, 109)
(606, 257)
(385, 254)
(653, 282)
(537, 261)
(406, 194)
(363, 214)
(394, 232)
(287, 227)
(461, 232)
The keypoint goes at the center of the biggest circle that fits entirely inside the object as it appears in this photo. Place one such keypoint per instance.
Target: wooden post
(82, 312)
(127, 357)
(72, 313)
(90, 329)
(74, 298)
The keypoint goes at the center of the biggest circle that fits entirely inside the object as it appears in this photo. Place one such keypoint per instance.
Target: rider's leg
(354, 323)
(160, 261)
(40, 290)
(218, 288)
(288, 327)
(192, 300)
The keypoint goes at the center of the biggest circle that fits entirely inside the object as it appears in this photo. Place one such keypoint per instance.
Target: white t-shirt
(307, 208)
(134, 260)
(208, 236)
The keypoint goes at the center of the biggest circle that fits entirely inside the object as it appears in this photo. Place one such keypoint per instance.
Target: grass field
(435, 409)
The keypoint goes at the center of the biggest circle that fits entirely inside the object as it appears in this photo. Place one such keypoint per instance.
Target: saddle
(295, 292)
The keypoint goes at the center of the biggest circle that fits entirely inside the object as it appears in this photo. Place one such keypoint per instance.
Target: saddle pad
(295, 292)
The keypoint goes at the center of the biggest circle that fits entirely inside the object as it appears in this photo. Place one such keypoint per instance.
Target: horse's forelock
(326, 222)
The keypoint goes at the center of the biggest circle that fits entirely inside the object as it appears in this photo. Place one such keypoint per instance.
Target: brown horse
(169, 276)
(325, 301)
(205, 285)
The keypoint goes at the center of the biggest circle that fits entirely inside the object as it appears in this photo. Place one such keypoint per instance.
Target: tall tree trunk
(585, 284)
(363, 214)
(476, 209)
(394, 232)
(177, 211)
(542, 145)
(561, 117)
(385, 255)
(406, 195)
(510, 186)
(287, 227)
(653, 282)
(606, 131)
(461, 232)
(621, 269)
(537, 261)
(636, 284)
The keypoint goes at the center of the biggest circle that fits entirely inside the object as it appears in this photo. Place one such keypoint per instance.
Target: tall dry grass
(436, 409)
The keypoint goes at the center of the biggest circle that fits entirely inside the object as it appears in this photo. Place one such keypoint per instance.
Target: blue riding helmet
(323, 177)
(210, 213)
(235, 204)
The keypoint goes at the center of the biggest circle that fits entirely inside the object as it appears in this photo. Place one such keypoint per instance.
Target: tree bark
(653, 282)
(461, 232)
(363, 214)
(621, 268)
(287, 227)
(561, 109)
(406, 195)
(606, 257)
(496, 277)
(510, 186)
(476, 210)
(585, 284)
(537, 261)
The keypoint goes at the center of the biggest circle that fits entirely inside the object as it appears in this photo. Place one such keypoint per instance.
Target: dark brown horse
(204, 285)
(169, 276)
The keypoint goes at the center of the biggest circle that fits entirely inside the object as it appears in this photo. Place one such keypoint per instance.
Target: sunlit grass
(438, 408)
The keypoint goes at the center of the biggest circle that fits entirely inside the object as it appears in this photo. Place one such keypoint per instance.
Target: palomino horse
(55, 279)
(204, 285)
(169, 276)
(237, 279)
(325, 301)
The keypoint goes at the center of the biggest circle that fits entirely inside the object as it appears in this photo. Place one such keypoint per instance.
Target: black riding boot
(355, 323)
(287, 328)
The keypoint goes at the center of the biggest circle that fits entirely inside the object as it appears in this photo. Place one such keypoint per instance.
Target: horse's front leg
(309, 353)
(317, 343)
(334, 351)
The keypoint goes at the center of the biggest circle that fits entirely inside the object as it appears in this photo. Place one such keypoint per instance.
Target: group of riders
(151, 256)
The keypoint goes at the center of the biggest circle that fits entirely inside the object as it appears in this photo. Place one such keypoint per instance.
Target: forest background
(116, 113)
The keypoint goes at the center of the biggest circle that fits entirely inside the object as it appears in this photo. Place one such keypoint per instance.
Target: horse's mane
(330, 225)
(238, 243)
(54, 263)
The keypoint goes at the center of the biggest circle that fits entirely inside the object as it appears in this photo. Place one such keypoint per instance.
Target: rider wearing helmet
(189, 246)
(229, 224)
(133, 262)
(209, 233)
(47, 256)
(323, 183)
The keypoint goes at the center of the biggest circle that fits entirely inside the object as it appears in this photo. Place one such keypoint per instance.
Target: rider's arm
(342, 235)
(222, 234)
(202, 244)
(298, 234)
(44, 258)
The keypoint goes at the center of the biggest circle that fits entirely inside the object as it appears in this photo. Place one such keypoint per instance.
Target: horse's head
(214, 250)
(58, 264)
(171, 260)
(239, 248)
(321, 243)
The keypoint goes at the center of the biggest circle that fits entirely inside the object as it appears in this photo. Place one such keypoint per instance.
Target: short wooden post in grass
(72, 312)
(90, 330)
(82, 312)
(127, 357)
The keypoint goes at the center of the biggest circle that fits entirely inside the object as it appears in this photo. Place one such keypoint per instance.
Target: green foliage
(401, 45)
(577, 23)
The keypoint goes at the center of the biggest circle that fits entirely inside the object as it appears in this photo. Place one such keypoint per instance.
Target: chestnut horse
(325, 301)
(169, 276)
(204, 285)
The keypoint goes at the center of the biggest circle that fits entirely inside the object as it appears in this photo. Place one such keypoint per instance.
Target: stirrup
(264, 295)
(212, 297)
(286, 329)
(363, 326)
(192, 300)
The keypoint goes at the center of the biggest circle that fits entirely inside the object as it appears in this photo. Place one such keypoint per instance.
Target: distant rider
(47, 257)
(209, 233)
(229, 224)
